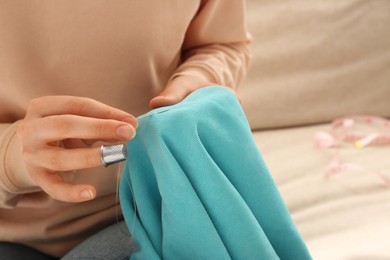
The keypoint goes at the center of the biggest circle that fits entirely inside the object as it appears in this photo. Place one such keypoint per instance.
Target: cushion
(314, 61)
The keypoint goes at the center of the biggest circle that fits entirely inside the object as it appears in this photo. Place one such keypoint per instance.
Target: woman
(74, 75)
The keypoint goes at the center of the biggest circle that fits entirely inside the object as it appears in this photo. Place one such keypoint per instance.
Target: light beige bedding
(346, 216)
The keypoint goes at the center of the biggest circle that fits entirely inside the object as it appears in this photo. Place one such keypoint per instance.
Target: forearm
(217, 43)
(223, 64)
(215, 52)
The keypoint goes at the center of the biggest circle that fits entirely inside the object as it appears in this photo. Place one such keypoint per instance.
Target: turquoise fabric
(195, 186)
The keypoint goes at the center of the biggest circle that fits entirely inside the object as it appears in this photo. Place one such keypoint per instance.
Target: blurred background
(315, 61)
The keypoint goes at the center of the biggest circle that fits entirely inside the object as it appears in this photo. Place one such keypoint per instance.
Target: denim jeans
(113, 242)
(14, 251)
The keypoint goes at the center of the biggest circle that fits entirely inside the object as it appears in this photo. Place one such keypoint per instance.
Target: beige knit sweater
(121, 53)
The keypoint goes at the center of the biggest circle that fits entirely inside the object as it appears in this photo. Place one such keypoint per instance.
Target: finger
(179, 88)
(79, 143)
(54, 185)
(172, 95)
(53, 128)
(175, 94)
(62, 160)
(58, 105)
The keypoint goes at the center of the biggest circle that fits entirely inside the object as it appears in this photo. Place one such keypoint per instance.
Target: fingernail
(86, 194)
(131, 120)
(125, 131)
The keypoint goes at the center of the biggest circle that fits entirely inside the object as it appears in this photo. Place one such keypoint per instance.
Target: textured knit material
(196, 187)
(121, 53)
(110, 243)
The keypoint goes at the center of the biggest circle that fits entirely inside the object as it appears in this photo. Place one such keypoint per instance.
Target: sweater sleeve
(216, 44)
(14, 178)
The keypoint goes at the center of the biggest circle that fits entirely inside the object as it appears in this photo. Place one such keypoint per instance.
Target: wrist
(14, 177)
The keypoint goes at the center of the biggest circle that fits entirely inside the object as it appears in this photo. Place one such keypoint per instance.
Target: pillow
(314, 61)
(195, 186)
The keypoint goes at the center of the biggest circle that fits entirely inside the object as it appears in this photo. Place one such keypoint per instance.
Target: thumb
(177, 90)
(170, 96)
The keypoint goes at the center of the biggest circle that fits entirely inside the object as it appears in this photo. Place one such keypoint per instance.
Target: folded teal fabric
(196, 187)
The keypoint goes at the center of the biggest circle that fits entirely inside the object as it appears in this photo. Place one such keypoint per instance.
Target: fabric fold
(195, 186)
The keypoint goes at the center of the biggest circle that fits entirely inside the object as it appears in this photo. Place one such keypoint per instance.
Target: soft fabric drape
(196, 187)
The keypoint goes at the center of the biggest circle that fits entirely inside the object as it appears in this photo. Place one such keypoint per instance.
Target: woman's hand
(57, 136)
(179, 88)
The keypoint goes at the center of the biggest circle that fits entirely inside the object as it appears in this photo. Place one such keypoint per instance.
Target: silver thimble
(114, 153)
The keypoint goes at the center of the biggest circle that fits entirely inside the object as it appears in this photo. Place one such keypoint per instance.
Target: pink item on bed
(362, 131)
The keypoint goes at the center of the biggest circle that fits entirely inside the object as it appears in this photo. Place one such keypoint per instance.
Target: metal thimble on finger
(114, 153)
